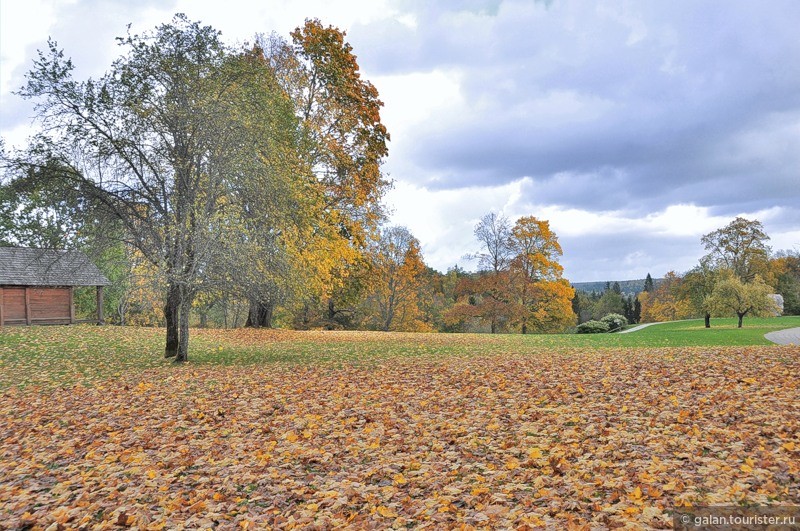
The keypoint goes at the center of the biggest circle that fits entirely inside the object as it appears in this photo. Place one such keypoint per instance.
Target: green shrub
(592, 327)
(614, 321)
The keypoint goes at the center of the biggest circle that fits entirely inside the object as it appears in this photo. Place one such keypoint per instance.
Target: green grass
(692, 333)
(65, 355)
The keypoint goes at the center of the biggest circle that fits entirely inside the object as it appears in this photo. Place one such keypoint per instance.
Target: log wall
(35, 305)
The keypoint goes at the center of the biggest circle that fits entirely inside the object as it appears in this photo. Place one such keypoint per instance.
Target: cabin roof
(21, 266)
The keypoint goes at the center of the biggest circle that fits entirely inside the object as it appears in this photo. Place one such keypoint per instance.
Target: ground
(387, 430)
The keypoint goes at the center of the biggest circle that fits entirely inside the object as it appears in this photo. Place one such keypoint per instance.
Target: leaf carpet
(564, 439)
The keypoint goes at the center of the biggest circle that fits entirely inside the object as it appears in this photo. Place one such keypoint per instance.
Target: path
(637, 327)
(789, 336)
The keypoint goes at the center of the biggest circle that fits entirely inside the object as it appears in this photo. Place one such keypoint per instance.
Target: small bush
(592, 327)
(614, 321)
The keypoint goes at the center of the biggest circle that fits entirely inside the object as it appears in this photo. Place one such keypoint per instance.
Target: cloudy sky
(633, 127)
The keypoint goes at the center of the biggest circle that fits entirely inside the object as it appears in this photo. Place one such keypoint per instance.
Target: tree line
(738, 276)
(230, 186)
(253, 171)
(241, 186)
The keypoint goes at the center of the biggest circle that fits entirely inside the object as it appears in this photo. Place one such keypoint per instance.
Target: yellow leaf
(746, 468)
(636, 494)
(535, 453)
(151, 474)
(198, 507)
(290, 436)
(400, 479)
(477, 491)
(672, 485)
(789, 446)
(386, 512)
(313, 507)
(512, 464)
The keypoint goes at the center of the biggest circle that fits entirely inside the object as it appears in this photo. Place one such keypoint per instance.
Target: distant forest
(627, 287)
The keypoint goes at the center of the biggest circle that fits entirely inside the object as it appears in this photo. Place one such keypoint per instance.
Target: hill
(628, 287)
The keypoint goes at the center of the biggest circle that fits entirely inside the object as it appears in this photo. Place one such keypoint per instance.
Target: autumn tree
(273, 220)
(697, 288)
(346, 142)
(740, 246)
(155, 143)
(664, 302)
(493, 232)
(785, 269)
(481, 298)
(395, 280)
(541, 297)
(519, 283)
(731, 295)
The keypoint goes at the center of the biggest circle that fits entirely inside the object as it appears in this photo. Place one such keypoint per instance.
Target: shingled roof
(46, 267)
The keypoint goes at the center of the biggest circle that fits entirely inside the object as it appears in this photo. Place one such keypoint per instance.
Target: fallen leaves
(602, 438)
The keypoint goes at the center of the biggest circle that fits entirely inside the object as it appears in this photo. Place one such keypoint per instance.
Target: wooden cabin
(37, 286)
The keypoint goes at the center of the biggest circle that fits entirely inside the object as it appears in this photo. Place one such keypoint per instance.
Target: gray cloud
(624, 107)
(674, 102)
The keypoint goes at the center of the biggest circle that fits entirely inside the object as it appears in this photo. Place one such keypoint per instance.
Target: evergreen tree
(648, 283)
(637, 309)
(627, 309)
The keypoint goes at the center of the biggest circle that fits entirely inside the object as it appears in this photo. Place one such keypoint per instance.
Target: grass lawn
(330, 429)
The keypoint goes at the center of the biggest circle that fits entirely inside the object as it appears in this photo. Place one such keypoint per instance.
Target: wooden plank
(50, 303)
(1, 307)
(13, 304)
(27, 306)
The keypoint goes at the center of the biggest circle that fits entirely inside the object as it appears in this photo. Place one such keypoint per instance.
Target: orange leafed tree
(521, 285)
(346, 141)
(483, 298)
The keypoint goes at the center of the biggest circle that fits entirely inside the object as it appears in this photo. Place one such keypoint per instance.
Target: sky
(633, 127)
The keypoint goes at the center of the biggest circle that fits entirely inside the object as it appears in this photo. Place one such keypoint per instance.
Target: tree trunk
(494, 325)
(524, 327)
(183, 342)
(708, 320)
(171, 313)
(741, 316)
(260, 315)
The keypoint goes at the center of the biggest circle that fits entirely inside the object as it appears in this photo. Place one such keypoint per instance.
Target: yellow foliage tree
(731, 295)
(542, 300)
(665, 303)
(395, 282)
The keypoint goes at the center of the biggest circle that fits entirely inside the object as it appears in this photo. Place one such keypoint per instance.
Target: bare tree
(494, 233)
